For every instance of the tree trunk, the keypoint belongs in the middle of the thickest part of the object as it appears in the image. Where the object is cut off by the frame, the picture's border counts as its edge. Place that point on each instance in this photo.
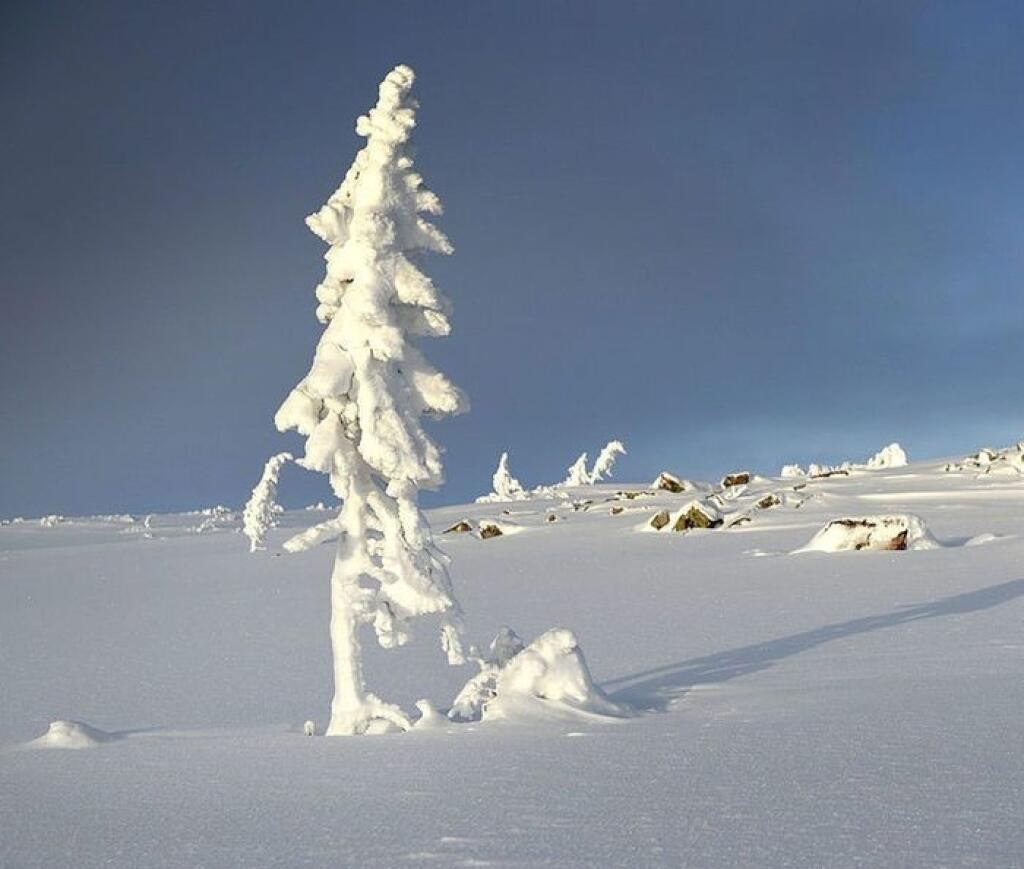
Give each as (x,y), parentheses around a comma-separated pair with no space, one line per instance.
(349,706)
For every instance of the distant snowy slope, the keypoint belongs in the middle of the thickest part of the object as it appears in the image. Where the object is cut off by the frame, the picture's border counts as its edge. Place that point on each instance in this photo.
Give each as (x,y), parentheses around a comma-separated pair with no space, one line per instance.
(800,710)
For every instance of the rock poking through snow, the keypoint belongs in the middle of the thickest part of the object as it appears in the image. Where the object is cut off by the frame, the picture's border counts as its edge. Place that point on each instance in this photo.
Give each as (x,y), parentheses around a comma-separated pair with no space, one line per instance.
(738,478)
(897,533)
(669,483)
(697,514)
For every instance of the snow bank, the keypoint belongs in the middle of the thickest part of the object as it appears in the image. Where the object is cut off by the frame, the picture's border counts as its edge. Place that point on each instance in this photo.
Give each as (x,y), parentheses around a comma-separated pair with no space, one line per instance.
(894,533)
(70,734)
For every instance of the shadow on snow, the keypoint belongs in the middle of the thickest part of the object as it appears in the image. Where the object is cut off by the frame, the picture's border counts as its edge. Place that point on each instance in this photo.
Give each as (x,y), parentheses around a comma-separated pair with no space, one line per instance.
(654,689)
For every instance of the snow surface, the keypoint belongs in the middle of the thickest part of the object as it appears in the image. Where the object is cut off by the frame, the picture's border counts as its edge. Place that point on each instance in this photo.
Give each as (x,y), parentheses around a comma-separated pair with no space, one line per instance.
(816,710)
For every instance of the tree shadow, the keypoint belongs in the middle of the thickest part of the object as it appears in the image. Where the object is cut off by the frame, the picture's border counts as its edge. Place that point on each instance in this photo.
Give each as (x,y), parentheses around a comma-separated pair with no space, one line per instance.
(655,689)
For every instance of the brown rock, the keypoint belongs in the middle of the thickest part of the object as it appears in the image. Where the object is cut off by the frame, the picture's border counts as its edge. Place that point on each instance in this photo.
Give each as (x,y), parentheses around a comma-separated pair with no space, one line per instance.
(660,520)
(669,483)
(459,528)
(489,530)
(740,478)
(697,516)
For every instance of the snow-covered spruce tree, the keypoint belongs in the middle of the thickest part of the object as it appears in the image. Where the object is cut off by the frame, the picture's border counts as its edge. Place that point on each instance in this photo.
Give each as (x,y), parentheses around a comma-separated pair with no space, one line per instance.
(361,402)
(504,483)
(578,474)
(259,513)
(606,461)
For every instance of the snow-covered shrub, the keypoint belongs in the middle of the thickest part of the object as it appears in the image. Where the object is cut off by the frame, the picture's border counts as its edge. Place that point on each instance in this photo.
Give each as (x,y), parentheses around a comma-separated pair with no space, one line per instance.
(895,532)
(791,471)
(469,703)
(549,676)
(261,511)
(892,456)
(360,404)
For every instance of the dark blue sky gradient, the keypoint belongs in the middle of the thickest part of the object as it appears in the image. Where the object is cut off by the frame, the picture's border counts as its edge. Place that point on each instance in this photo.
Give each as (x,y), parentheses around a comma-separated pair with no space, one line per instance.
(730,234)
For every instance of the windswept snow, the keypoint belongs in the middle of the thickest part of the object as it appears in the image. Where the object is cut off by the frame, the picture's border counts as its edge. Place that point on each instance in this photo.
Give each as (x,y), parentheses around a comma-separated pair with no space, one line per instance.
(833,710)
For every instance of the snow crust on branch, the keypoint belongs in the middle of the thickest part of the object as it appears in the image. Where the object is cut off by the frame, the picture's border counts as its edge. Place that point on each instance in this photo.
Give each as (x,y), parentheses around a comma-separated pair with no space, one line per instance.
(360,404)
(261,510)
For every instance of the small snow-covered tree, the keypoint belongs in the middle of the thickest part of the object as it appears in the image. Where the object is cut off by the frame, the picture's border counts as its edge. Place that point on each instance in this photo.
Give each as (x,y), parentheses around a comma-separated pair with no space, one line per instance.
(259,513)
(606,461)
(505,485)
(361,402)
(578,474)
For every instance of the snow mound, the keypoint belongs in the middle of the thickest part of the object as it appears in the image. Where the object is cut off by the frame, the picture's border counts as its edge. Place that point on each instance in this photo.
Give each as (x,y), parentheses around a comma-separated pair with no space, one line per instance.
(70,734)
(896,532)
(548,678)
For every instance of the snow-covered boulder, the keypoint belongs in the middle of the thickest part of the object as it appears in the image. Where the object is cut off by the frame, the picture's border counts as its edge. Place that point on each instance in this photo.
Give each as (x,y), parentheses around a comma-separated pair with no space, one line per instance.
(792,471)
(669,483)
(697,514)
(736,478)
(896,532)
(70,734)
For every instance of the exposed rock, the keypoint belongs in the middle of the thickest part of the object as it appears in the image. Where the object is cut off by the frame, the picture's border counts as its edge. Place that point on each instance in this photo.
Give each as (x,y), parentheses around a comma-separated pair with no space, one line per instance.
(770,500)
(459,528)
(831,472)
(551,517)
(738,478)
(489,530)
(660,520)
(617,510)
(742,520)
(629,496)
(669,483)
(697,514)
(896,533)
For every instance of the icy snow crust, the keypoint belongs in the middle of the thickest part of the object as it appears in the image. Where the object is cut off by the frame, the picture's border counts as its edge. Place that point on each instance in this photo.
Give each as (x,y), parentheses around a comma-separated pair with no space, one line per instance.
(852,709)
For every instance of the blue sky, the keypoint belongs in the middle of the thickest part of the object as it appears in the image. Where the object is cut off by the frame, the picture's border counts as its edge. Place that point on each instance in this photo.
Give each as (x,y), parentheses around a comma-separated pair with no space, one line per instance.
(730,234)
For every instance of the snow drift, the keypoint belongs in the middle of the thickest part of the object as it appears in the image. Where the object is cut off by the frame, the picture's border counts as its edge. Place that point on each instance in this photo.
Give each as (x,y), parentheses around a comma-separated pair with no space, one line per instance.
(70,734)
